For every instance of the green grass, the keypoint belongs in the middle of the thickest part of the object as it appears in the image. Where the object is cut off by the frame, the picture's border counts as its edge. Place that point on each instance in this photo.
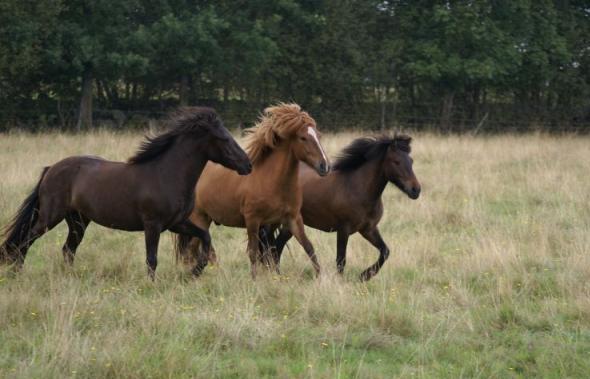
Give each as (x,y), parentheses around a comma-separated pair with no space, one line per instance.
(488,277)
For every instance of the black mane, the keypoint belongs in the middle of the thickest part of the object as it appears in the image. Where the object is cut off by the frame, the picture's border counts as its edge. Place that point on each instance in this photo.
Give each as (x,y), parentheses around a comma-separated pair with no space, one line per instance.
(365,149)
(183,121)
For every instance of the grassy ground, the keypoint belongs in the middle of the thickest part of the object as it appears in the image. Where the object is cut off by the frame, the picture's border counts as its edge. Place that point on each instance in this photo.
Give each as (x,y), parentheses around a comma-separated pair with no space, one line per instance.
(488,277)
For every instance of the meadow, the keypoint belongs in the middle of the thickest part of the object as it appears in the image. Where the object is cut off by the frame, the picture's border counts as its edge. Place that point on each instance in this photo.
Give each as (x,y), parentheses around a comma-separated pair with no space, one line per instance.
(488,277)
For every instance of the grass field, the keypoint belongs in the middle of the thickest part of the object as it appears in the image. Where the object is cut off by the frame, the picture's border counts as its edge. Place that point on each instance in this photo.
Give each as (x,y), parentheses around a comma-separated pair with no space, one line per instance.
(489,277)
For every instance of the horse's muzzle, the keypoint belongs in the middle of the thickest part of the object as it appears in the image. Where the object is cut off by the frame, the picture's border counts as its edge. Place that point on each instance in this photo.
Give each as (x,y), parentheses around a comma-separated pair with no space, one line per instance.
(323,169)
(413,193)
(246,169)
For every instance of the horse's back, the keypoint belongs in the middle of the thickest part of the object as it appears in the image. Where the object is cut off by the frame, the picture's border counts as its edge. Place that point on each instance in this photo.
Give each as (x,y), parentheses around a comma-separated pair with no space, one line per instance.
(94,187)
(65,172)
(330,202)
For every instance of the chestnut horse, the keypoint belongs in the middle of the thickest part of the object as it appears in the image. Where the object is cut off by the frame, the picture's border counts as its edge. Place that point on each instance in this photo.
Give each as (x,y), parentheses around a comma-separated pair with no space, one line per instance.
(284,136)
(152,192)
(348,200)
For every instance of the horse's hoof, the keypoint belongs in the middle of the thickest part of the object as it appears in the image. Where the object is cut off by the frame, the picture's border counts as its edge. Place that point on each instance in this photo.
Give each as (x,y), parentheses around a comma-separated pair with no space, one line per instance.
(197,271)
(365,276)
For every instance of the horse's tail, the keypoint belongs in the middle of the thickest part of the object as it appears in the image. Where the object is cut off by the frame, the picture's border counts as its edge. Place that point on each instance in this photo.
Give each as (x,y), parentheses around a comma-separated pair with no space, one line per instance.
(17,232)
(181,248)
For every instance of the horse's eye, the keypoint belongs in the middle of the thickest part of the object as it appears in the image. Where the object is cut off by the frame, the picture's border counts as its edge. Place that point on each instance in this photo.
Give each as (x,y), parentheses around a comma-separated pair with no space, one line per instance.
(397,163)
(303,138)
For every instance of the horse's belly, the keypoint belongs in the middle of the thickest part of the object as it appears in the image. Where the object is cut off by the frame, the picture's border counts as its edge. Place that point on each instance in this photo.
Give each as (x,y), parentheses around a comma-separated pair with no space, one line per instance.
(234,219)
(107,210)
(115,218)
(126,225)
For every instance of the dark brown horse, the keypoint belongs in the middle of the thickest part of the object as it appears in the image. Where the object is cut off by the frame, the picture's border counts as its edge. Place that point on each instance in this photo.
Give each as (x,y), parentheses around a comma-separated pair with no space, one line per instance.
(284,136)
(348,200)
(153,191)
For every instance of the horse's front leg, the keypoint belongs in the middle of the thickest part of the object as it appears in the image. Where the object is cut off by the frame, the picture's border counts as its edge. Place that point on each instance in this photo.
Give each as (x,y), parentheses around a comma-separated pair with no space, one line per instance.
(296,228)
(252,226)
(188,228)
(374,237)
(152,239)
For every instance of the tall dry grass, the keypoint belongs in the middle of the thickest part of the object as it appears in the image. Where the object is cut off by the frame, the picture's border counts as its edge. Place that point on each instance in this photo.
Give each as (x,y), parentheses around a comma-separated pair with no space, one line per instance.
(488,277)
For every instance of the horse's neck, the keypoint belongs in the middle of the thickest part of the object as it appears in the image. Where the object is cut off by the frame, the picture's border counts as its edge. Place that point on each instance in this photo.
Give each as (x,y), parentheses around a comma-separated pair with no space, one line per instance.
(281,167)
(182,164)
(371,180)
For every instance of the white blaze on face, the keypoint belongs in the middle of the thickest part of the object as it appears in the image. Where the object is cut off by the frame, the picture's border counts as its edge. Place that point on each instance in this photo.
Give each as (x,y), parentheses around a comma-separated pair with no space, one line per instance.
(311,132)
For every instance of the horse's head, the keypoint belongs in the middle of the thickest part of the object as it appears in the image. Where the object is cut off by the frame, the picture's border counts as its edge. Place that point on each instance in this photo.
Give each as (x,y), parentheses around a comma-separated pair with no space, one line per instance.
(222,148)
(298,128)
(306,146)
(202,129)
(397,166)
(288,126)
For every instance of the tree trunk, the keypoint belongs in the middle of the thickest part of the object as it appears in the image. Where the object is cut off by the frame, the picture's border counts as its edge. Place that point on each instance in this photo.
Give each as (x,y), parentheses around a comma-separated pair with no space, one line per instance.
(447,110)
(225,94)
(184,90)
(85,111)
(134,93)
(160,97)
(383,100)
(62,119)
(475,103)
(100,94)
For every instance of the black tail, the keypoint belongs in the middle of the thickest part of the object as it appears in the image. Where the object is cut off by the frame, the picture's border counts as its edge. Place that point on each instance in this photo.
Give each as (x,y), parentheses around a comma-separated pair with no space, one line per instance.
(17,232)
(181,251)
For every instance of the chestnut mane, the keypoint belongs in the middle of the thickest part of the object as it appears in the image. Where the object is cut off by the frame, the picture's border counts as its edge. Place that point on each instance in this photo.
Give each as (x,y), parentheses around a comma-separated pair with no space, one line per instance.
(276,123)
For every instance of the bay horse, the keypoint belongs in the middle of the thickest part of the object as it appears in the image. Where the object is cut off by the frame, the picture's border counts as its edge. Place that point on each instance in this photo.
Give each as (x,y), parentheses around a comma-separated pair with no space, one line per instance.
(348,200)
(284,136)
(152,192)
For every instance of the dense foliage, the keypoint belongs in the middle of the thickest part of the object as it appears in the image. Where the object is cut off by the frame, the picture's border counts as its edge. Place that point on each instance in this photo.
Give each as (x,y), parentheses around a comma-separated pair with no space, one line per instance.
(454,64)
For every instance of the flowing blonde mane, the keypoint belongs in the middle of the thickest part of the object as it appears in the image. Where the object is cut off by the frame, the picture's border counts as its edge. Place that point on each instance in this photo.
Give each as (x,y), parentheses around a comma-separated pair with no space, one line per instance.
(275,124)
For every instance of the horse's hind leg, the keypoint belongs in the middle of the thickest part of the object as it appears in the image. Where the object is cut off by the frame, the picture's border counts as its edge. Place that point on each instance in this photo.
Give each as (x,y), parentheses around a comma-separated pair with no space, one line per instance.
(267,246)
(271,246)
(187,228)
(341,242)
(152,239)
(49,217)
(77,224)
(374,237)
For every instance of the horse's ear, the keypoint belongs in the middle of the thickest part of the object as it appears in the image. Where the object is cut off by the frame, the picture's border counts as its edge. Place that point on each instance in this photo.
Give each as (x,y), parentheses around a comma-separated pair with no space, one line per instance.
(402,142)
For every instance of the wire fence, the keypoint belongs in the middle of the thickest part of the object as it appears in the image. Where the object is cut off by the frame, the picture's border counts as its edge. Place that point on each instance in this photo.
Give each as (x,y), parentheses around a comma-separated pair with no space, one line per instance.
(370,116)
